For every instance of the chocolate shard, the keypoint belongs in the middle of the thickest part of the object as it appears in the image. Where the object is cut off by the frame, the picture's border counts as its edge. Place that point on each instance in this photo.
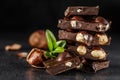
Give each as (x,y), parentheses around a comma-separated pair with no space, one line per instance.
(55,67)
(96,53)
(94,66)
(81,10)
(85,38)
(98,24)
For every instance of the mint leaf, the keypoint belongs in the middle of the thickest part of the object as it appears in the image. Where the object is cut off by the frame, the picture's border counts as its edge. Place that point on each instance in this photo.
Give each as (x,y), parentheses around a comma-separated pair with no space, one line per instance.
(49,41)
(61,43)
(52,36)
(58,50)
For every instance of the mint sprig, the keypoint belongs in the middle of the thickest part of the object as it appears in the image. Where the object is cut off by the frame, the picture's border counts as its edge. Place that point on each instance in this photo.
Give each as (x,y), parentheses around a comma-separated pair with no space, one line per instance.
(55,47)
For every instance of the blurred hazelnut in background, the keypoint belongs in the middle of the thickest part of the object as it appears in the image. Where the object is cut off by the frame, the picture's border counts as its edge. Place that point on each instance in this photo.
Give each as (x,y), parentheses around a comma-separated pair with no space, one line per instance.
(38,39)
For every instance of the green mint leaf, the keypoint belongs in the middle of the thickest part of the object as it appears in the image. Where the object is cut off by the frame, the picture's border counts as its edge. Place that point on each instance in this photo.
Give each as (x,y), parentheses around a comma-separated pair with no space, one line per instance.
(52,36)
(58,50)
(49,41)
(61,43)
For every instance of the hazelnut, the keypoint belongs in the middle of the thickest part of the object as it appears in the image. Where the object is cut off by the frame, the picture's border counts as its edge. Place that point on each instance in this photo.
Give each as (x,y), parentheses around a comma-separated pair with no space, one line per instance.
(80,37)
(73,23)
(68,64)
(14,46)
(100,54)
(35,57)
(81,50)
(79,10)
(63,56)
(38,39)
(22,54)
(102,38)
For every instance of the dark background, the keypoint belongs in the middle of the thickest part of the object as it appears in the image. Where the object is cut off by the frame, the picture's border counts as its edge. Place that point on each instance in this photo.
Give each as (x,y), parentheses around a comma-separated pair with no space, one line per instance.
(29,15)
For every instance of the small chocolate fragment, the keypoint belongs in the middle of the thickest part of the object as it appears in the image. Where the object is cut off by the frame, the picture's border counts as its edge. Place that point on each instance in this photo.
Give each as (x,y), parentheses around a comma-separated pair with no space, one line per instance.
(96,53)
(94,66)
(85,38)
(80,24)
(54,67)
(35,58)
(81,10)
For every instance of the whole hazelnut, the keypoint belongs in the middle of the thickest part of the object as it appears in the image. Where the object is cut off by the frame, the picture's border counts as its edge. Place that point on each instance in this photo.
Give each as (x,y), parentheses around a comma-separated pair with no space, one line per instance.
(63,56)
(102,38)
(100,54)
(35,57)
(81,50)
(38,39)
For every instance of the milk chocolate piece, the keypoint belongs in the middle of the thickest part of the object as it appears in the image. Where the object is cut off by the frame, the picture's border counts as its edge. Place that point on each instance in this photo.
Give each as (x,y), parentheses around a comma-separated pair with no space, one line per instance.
(85,38)
(55,67)
(96,53)
(94,66)
(97,25)
(81,10)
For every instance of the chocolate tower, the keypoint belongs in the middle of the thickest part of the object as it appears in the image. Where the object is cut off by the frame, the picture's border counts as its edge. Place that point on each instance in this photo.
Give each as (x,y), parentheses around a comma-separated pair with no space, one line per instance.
(85,34)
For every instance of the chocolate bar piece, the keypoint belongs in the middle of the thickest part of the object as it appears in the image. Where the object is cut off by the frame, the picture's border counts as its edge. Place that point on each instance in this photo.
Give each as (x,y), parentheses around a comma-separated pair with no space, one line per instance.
(81,10)
(54,66)
(96,53)
(99,24)
(94,66)
(85,38)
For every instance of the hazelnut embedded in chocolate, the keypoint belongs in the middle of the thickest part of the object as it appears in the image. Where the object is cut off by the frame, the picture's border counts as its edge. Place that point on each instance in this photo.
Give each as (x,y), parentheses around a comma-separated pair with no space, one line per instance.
(104,25)
(81,50)
(98,53)
(73,23)
(63,56)
(35,57)
(102,38)
(80,37)
(38,39)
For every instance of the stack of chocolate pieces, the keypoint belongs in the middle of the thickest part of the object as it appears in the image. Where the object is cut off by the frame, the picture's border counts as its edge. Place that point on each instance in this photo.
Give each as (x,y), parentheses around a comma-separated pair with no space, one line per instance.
(85,34)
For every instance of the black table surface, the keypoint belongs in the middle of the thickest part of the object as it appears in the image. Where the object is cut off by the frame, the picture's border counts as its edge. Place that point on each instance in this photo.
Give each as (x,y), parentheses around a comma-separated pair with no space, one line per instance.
(14,68)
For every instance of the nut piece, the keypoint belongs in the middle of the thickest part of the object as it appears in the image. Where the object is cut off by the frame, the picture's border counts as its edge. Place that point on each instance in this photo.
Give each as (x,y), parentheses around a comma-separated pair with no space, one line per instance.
(22,54)
(68,64)
(79,10)
(81,50)
(80,37)
(38,39)
(73,23)
(14,46)
(100,54)
(103,39)
(35,57)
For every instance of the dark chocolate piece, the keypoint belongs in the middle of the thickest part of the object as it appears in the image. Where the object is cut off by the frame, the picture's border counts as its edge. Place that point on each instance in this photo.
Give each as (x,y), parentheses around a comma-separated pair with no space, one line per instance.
(97,25)
(96,53)
(94,66)
(85,38)
(81,10)
(54,67)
